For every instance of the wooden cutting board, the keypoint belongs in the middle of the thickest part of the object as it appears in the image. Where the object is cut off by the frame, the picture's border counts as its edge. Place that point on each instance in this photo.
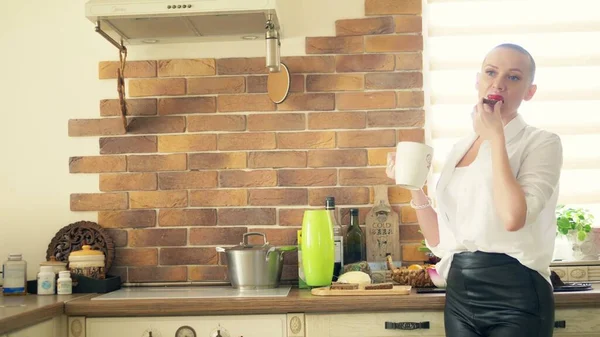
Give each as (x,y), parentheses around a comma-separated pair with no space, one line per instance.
(382,228)
(326,291)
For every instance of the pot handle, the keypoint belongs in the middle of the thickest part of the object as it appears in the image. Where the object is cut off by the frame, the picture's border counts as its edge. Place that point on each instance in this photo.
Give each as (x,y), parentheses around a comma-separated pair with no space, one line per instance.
(246,235)
(220,249)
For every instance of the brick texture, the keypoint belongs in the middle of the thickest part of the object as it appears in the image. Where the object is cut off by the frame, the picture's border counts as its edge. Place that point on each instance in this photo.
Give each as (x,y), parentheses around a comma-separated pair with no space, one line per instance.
(208,156)
(335,45)
(367,62)
(187,180)
(246,216)
(190,67)
(133,69)
(158,199)
(335,82)
(131,144)
(135,107)
(97,164)
(208,161)
(216,85)
(337,158)
(387,7)
(255,178)
(216,123)
(393,43)
(128,182)
(367,26)
(98,201)
(186,105)
(187,217)
(187,143)
(127,219)
(337,120)
(157,87)
(277,159)
(149,163)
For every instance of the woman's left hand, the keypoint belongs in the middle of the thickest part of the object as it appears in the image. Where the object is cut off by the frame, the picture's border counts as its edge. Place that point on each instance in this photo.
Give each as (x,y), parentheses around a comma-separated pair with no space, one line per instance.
(488,121)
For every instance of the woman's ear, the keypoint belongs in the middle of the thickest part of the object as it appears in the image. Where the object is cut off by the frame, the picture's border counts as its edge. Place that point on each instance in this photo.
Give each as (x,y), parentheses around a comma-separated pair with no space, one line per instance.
(530,92)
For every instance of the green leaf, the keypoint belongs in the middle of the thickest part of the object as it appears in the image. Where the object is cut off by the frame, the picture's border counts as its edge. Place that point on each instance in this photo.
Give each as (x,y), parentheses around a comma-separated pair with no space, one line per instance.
(581,235)
(587,228)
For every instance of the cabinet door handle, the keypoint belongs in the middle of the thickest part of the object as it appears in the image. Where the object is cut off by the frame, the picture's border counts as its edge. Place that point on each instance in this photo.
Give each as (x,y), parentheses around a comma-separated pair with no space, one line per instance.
(560,324)
(406,325)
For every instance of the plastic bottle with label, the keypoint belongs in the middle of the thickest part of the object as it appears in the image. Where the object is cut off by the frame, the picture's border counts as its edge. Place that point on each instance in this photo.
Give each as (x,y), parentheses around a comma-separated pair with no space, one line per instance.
(46,281)
(64,285)
(14,275)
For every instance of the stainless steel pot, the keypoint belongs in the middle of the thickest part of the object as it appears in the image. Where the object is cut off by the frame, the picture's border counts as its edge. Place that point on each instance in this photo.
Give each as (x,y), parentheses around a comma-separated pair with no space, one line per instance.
(255,266)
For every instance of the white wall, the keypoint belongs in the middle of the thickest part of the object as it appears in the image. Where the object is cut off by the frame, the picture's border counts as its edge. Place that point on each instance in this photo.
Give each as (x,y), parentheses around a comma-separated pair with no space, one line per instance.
(49,57)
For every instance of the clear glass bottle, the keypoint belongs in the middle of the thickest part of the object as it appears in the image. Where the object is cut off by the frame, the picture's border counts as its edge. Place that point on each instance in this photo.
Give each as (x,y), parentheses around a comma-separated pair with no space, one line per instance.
(14,274)
(355,249)
(338,238)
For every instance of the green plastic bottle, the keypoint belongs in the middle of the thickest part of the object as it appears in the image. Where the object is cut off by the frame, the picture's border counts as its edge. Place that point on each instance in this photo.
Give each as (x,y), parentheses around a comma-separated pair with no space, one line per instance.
(317,248)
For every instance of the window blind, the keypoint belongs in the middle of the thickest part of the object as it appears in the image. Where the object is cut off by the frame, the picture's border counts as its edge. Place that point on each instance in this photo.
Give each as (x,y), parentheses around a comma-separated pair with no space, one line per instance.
(563,38)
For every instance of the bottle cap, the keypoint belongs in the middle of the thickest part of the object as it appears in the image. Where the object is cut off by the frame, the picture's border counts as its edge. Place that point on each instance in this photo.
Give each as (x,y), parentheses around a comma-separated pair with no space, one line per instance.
(15,256)
(46,269)
(353,211)
(330,202)
(64,273)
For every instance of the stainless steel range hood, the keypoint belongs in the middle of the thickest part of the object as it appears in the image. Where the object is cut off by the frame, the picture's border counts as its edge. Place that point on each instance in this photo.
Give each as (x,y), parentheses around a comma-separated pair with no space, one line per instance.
(165,21)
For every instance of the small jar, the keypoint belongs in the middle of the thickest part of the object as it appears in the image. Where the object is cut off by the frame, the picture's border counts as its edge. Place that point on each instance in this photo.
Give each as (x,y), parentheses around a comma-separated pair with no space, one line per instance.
(64,286)
(87,262)
(46,281)
(14,274)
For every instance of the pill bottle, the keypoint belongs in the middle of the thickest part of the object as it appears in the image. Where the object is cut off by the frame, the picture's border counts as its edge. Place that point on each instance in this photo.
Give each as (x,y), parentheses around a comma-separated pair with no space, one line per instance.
(65,284)
(14,274)
(45,281)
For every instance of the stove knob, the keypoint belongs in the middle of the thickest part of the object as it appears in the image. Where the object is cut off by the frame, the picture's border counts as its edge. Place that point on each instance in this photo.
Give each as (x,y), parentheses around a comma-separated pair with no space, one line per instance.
(151,333)
(219,332)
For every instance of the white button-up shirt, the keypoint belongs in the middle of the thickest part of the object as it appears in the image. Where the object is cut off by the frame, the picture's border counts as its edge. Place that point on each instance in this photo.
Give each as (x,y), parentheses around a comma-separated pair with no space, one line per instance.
(467,217)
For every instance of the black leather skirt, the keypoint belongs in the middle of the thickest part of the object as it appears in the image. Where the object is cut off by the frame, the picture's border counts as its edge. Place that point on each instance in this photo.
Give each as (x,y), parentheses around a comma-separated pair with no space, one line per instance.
(490,294)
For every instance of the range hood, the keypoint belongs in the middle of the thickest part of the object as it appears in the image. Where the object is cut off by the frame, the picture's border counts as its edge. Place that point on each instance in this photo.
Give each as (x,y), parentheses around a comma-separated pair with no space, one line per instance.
(165,21)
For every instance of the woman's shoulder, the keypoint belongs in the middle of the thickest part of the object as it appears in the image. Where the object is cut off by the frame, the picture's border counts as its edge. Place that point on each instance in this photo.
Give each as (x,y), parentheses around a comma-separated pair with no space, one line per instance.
(533,137)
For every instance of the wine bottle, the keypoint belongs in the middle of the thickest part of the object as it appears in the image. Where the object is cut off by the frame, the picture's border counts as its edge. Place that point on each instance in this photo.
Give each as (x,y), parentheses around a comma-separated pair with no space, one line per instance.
(355,240)
(338,238)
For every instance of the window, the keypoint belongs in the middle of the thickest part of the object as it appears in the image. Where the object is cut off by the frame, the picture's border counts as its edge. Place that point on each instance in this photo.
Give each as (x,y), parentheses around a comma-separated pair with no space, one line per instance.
(563,38)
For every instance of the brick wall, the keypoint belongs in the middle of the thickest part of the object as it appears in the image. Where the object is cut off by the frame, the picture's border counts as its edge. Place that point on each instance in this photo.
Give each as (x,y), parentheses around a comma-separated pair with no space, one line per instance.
(209,157)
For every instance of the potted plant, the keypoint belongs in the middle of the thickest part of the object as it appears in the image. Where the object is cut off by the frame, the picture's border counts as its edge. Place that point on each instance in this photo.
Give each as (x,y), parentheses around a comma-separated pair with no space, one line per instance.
(576,225)
(574,221)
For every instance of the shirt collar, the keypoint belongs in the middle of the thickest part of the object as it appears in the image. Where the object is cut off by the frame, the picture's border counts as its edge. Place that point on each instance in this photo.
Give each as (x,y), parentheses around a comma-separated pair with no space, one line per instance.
(514,127)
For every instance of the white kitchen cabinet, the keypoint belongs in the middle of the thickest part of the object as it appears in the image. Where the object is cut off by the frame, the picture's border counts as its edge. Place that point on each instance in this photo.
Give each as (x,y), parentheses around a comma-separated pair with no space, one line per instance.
(205,326)
(376,324)
(55,327)
(581,322)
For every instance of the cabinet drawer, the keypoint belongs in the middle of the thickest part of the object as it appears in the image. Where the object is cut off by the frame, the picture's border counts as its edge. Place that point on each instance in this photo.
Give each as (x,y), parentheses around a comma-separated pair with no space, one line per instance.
(373,324)
(578,322)
(205,326)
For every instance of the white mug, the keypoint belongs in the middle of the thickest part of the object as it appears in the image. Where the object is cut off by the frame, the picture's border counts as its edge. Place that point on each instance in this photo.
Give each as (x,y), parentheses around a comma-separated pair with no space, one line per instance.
(412,164)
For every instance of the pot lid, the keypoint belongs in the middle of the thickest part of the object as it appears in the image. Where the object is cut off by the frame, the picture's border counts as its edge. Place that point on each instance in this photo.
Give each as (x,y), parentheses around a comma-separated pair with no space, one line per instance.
(86,250)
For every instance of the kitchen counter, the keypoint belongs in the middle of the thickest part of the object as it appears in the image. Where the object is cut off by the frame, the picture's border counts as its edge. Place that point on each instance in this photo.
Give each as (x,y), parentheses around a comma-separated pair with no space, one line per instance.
(17,312)
(297,301)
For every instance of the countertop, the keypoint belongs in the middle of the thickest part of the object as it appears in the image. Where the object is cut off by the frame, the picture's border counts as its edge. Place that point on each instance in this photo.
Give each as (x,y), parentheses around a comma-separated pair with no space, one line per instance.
(297,301)
(17,312)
